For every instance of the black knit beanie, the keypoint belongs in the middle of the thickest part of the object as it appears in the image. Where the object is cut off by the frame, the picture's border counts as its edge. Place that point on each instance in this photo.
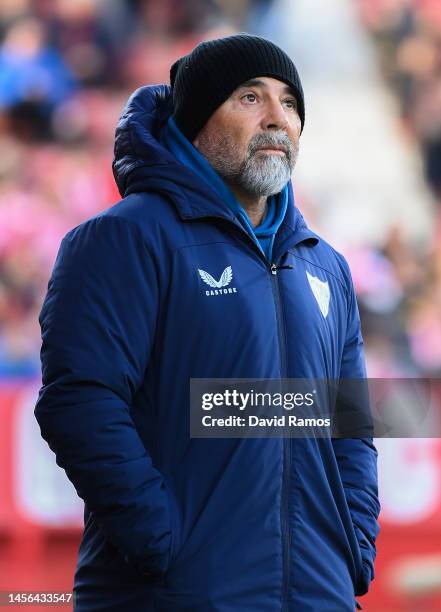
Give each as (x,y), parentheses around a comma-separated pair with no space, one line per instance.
(202,80)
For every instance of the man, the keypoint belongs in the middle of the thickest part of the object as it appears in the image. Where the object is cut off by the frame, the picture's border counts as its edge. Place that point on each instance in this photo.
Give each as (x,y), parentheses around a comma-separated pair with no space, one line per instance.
(135,310)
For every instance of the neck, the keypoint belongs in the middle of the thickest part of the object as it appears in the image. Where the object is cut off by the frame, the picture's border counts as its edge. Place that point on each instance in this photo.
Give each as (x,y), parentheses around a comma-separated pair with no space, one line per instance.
(254,206)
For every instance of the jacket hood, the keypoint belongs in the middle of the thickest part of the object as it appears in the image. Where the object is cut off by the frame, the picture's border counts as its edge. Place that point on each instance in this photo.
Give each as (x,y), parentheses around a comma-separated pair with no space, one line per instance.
(136,139)
(142,163)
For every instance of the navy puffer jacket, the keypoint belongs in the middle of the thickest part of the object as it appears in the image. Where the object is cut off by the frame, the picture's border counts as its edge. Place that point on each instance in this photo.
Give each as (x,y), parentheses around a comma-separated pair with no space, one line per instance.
(178,523)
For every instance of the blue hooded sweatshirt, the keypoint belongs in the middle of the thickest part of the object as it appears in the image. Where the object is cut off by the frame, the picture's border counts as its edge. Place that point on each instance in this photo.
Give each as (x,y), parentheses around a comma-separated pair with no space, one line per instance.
(174,522)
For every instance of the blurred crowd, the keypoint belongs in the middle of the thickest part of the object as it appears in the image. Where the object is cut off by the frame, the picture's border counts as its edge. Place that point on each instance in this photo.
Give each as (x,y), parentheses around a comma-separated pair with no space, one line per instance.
(66,69)
(408,37)
(399,286)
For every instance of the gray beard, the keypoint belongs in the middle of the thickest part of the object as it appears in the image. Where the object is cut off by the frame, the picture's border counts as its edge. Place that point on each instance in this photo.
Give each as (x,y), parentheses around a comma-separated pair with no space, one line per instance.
(260,174)
(264,175)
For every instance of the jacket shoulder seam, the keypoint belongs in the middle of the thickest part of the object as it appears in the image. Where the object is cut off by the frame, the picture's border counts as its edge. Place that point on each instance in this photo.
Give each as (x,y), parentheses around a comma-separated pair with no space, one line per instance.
(322,268)
(121,220)
(197,244)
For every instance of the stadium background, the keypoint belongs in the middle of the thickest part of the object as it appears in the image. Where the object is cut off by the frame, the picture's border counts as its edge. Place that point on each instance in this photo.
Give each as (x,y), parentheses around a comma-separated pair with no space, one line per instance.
(368,179)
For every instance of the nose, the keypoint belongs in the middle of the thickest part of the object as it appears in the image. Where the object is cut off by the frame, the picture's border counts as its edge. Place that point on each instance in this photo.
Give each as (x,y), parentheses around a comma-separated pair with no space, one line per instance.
(275,116)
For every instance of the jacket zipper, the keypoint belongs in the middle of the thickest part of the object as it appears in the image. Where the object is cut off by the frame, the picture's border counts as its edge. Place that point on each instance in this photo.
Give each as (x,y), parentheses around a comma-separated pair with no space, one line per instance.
(284,515)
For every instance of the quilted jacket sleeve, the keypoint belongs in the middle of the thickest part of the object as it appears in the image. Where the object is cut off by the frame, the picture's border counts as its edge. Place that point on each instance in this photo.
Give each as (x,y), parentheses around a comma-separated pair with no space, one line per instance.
(98,322)
(357,458)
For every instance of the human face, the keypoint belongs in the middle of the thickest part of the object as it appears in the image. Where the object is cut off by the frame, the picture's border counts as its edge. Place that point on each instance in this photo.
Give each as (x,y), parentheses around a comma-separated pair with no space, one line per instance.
(252,139)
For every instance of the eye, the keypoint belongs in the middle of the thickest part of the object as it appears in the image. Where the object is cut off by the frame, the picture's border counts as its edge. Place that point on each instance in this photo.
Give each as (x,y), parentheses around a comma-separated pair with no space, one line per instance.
(291,103)
(250,98)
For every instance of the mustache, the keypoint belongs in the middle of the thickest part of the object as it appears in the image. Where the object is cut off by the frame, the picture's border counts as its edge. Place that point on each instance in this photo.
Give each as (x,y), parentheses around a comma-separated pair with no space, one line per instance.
(272,139)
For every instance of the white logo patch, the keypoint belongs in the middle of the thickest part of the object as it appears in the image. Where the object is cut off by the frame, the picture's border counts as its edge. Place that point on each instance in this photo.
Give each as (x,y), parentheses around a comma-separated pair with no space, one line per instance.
(224,281)
(218,287)
(321,292)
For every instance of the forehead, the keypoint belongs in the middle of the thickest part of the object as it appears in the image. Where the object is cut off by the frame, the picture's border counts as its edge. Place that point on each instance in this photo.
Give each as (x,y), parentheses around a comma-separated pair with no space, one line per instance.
(267,84)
